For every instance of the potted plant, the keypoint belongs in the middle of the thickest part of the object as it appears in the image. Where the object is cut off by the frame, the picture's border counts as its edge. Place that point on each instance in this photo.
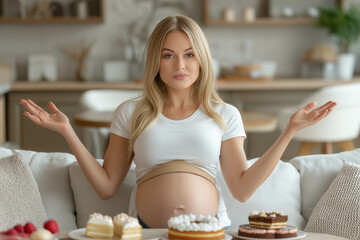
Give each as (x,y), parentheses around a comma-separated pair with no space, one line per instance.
(344,24)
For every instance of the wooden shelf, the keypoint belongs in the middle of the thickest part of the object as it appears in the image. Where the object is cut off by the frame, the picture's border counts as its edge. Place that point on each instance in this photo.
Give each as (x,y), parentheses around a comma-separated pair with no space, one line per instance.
(97,17)
(280,84)
(263,21)
(52,20)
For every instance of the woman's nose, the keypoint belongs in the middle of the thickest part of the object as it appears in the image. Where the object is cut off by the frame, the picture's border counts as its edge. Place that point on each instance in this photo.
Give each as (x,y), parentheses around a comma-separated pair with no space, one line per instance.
(180,63)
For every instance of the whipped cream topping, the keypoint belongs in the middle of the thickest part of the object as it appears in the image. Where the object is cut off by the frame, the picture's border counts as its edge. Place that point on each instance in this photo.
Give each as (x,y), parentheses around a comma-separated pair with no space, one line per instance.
(126,221)
(98,218)
(253,213)
(196,223)
(265,213)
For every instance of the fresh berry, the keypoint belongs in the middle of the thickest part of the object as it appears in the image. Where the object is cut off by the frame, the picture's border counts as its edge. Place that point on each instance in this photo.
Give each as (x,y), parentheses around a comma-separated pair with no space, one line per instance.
(11,232)
(24,235)
(52,226)
(19,228)
(29,227)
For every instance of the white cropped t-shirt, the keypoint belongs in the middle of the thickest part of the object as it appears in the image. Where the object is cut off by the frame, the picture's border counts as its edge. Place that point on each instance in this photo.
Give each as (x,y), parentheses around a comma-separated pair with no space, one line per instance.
(196,139)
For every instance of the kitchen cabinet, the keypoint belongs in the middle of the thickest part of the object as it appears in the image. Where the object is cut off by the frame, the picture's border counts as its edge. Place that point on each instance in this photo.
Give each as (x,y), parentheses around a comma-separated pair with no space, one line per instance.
(213,10)
(26,134)
(51,12)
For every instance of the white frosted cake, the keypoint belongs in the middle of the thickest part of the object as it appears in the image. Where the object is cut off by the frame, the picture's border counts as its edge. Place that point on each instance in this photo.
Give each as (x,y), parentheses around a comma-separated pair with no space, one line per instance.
(99,226)
(127,227)
(192,227)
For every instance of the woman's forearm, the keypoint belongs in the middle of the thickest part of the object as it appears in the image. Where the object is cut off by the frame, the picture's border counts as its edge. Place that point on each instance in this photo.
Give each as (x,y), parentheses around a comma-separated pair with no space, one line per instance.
(255,175)
(93,171)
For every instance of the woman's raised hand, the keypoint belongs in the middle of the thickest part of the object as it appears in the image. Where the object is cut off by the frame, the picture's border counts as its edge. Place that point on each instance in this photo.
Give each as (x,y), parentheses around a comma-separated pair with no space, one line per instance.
(56,120)
(304,117)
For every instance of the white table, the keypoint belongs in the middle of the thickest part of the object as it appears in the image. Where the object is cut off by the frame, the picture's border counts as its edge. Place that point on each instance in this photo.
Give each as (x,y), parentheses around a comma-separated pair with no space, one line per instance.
(161,234)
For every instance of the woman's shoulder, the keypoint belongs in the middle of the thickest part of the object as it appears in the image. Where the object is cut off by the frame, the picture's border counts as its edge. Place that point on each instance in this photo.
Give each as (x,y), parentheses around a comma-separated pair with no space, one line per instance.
(127,106)
(225,109)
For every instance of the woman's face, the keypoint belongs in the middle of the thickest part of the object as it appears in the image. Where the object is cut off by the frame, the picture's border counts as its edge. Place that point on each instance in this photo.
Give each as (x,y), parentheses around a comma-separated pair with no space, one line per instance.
(179,68)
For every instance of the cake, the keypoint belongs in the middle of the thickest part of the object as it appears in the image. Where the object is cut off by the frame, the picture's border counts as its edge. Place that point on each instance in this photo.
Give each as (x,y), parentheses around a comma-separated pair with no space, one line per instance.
(192,227)
(99,226)
(248,231)
(267,225)
(268,220)
(127,227)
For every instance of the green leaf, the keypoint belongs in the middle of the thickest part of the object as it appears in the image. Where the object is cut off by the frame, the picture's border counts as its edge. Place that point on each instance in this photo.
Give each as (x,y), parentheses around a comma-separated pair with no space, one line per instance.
(344,24)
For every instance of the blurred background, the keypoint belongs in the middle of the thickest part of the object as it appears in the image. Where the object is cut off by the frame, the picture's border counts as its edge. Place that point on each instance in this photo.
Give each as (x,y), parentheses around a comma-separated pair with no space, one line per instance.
(102,42)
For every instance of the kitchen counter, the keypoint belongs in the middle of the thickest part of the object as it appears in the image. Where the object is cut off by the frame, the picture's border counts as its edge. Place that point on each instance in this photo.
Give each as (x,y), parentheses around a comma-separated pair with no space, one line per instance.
(275,85)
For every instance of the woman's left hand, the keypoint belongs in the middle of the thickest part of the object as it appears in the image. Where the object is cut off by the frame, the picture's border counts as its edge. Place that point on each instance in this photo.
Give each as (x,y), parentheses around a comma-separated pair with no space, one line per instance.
(304,117)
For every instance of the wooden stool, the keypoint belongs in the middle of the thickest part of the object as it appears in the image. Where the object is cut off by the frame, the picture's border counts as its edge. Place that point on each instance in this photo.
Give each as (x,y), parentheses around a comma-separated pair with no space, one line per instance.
(258,121)
(326,147)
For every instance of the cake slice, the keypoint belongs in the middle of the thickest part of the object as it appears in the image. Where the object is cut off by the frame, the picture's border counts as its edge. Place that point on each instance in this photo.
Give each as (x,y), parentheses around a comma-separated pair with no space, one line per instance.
(268,220)
(247,231)
(99,226)
(127,227)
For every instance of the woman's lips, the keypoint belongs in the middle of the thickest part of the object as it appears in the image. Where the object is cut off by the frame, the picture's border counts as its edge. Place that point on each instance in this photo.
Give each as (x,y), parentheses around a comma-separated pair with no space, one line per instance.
(180,76)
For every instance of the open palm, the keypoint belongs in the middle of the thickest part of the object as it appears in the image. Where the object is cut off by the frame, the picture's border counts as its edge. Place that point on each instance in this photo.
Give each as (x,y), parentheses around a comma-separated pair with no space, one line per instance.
(303,118)
(56,120)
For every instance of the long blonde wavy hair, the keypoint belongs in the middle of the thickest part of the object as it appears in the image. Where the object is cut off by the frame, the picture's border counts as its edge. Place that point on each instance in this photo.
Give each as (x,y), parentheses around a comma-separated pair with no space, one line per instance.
(150,106)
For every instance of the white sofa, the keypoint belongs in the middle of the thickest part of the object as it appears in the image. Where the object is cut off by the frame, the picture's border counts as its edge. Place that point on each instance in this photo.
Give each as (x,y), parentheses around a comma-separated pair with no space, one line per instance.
(295,187)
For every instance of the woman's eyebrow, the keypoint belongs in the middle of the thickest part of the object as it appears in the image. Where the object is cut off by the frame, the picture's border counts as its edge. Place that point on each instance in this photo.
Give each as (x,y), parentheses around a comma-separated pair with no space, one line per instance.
(167,49)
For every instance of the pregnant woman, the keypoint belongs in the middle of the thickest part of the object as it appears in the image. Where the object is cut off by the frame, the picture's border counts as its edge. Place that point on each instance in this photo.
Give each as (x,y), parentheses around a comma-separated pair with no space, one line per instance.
(178,133)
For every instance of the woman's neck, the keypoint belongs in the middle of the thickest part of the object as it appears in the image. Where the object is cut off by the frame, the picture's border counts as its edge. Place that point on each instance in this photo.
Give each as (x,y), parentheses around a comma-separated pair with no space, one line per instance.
(180,106)
(180,100)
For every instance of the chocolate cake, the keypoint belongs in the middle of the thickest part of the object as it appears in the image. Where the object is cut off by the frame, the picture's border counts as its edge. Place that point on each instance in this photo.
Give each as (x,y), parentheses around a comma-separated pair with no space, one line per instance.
(268,220)
(248,231)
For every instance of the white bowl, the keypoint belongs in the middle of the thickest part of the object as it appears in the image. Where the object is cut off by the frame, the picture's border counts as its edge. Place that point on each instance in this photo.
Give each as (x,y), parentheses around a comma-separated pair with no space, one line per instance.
(268,69)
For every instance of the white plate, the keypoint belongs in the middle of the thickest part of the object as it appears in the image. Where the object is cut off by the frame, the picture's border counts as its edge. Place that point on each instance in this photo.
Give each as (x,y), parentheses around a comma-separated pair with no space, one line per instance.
(300,234)
(79,234)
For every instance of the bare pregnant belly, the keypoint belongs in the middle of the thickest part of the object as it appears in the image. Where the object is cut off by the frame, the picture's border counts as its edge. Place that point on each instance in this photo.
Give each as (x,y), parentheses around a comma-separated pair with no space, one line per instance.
(172,194)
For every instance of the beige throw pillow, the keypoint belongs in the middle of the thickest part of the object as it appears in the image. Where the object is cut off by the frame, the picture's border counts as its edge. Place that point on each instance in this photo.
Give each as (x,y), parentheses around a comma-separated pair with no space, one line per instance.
(19,194)
(338,211)
(87,201)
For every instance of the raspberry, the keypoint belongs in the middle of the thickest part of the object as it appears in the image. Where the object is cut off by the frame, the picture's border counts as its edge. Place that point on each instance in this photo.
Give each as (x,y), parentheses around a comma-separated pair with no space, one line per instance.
(19,228)
(24,235)
(52,226)
(11,232)
(29,227)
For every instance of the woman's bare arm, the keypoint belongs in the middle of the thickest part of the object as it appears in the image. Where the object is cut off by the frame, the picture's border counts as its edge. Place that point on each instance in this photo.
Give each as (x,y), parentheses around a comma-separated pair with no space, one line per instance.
(104,179)
(243,181)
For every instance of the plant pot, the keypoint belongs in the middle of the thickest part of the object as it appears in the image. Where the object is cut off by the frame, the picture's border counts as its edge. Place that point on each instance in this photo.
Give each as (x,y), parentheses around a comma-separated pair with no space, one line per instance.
(346,66)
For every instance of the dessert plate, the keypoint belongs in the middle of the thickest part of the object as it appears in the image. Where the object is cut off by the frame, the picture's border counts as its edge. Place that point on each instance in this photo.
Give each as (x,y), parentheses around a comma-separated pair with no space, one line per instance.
(300,234)
(79,234)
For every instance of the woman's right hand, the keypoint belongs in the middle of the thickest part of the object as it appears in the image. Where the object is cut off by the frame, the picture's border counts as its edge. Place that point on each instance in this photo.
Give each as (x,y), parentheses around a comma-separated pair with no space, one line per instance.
(56,120)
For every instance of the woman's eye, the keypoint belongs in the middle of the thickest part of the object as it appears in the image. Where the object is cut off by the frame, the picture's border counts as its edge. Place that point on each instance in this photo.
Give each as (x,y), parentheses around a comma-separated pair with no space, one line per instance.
(190,55)
(168,56)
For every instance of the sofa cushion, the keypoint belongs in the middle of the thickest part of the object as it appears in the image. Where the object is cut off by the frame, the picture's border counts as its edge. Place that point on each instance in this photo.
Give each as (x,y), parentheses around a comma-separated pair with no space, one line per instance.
(280,192)
(338,211)
(19,194)
(51,172)
(87,201)
(317,172)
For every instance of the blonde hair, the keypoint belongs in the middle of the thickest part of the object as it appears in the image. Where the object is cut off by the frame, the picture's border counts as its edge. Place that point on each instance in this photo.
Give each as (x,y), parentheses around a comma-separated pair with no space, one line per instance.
(149,108)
